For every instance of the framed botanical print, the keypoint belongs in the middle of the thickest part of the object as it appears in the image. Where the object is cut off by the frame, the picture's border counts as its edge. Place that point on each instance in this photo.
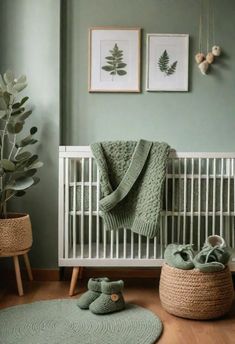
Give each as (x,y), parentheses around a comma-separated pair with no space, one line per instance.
(114,59)
(167,62)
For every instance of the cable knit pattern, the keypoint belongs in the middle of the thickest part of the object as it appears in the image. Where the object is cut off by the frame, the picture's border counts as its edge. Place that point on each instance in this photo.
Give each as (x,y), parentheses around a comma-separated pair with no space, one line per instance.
(61,321)
(132,176)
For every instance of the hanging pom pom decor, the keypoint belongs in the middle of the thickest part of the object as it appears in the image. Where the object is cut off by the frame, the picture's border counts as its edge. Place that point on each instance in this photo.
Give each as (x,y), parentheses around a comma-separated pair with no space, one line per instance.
(205,60)
(203,66)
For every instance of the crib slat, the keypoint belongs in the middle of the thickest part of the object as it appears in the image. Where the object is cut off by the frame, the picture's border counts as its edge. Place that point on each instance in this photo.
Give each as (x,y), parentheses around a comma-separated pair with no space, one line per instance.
(221,196)
(61,212)
(117,244)
(90,208)
(214,196)
(199,205)
(74,208)
(97,214)
(228,200)
(124,244)
(191,205)
(111,244)
(66,207)
(173,201)
(139,246)
(179,205)
(207,194)
(82,206)
(185,200)
(155,247)
(165,217)
(132,245)
(233,224)
(147,248)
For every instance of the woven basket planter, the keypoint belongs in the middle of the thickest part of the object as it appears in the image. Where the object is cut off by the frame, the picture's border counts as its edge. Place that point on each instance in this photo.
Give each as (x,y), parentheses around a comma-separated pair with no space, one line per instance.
(194,294)
(15,234)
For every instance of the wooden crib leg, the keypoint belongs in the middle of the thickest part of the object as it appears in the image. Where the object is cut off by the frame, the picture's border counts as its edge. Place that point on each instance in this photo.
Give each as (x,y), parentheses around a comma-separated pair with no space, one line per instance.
(74,279)
(28,267)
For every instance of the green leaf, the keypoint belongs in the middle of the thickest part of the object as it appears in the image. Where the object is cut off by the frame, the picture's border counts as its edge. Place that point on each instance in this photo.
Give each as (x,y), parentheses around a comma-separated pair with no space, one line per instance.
(107,68)
(111,58)
(32,160)
(3,105)
(24,100)
(21,184)
(18,111)
(16,105)
(172,68)
(163,61)
(36,165)
(23,156)
(19,86)
(121,65)
(8,76)
(33,130)
(24,174)
(121,72)
(2,114)
(7,165)
(25,115)
(14,127)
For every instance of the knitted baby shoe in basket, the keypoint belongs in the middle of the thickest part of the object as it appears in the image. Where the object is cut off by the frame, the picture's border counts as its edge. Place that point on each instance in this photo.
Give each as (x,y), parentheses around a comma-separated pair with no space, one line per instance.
(222,252)
(94,291)
(179,256)
(207,259)
(111,299)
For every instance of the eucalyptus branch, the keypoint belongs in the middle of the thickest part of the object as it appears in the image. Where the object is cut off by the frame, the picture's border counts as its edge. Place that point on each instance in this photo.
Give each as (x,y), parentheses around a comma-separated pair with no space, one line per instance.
(12,147)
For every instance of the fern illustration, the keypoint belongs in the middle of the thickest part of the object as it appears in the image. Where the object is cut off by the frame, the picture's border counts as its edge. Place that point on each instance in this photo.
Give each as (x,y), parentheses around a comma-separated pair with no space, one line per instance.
(163,64)
(115,62)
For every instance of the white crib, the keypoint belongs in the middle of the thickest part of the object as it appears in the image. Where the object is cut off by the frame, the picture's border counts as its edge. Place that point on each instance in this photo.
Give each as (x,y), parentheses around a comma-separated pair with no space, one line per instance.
(199,201)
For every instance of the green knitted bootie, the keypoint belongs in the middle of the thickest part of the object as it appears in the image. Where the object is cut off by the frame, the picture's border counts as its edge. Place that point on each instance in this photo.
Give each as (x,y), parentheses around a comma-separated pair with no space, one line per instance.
(221,251)
(111,299)
(179,256)
(208,259)
(94,291)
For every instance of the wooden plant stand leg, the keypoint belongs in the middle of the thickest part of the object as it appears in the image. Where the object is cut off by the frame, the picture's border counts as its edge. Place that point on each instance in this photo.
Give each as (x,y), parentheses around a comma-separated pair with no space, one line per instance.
(28,267)
(18,275)
(74,280)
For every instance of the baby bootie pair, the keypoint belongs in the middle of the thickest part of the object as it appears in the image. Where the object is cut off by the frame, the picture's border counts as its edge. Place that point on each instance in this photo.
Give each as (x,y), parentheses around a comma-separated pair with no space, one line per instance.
(214,255)
(103,296)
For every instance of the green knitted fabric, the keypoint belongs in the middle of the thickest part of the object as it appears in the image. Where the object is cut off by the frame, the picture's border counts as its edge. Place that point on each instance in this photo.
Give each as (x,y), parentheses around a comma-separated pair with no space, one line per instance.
(111,299)
(94,291)
(132,176)
(179,256)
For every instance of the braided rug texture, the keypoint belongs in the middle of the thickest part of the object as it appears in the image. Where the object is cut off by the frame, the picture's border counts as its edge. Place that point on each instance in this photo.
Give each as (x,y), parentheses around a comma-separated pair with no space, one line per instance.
(61,321)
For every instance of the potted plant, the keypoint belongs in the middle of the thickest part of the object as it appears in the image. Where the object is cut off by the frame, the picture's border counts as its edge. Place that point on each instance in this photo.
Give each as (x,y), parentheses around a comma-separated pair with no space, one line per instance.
(18,166)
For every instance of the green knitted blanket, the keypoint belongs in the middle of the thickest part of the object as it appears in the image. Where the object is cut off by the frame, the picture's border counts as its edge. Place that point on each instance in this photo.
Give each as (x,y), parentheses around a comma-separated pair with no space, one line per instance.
(132,176)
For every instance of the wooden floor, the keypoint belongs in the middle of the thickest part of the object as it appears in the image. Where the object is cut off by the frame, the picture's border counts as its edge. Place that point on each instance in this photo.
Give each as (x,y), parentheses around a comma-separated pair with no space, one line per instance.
(144,293)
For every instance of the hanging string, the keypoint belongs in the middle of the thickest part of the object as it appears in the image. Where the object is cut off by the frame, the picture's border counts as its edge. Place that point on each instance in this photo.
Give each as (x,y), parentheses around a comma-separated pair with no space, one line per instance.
(213,23)
(200,27)
(208,26)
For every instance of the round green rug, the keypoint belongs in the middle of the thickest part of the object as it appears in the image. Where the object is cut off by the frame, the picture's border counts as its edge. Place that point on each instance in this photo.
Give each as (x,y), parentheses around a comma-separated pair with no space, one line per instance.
(61,321)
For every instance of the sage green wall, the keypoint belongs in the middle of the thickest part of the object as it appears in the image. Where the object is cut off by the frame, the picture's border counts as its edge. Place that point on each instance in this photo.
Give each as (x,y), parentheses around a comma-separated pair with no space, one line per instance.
(201,120)
(29,44)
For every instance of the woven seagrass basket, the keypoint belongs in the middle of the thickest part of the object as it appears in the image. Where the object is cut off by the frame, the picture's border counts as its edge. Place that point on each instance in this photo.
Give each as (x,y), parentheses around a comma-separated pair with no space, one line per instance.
(15,234)
(194,294)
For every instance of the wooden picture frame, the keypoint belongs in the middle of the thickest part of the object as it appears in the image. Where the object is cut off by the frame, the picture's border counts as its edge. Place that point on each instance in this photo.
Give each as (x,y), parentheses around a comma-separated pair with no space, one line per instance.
(167,58)
(114,59)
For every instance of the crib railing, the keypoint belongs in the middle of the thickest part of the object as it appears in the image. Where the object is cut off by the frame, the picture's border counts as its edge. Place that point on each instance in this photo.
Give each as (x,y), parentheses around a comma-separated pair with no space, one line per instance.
(199,200)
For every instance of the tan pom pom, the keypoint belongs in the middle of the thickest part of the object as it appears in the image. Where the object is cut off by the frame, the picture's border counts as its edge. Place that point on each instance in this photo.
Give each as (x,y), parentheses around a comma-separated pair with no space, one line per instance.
(210,58)
(199,57)
(203,66)
(216,50)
